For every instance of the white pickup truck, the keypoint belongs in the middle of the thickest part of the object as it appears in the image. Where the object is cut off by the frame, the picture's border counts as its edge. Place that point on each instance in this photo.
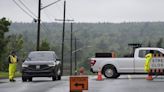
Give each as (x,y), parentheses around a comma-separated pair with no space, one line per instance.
(113,67)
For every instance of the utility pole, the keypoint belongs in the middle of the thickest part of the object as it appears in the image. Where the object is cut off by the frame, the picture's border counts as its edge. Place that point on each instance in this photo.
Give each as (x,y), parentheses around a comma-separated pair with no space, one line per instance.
(62,56)
(63,38)
(70,43)
(71,50)
(38,29)
(39,19)
(75,58)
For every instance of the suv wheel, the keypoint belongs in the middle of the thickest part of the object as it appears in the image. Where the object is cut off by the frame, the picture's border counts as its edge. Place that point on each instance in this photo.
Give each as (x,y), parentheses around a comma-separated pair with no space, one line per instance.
(24,79)
(53,78)
(59,77)
(30,79)
(59,74)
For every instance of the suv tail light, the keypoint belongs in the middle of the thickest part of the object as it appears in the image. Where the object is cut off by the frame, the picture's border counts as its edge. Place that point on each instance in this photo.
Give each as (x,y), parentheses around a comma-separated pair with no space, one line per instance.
(92,62)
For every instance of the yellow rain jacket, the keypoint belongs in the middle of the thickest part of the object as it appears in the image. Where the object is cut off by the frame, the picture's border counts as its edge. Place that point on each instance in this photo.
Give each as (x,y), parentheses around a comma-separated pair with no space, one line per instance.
(12,66)
(147,62)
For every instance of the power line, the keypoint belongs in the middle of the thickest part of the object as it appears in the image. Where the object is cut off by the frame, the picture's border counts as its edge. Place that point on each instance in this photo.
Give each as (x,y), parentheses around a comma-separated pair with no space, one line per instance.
(50,4)
(45,27)
(27,8)
(23,9)
(49,17)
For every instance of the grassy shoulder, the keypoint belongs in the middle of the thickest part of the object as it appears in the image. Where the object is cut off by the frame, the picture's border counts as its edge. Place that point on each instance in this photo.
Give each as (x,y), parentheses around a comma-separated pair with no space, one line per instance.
(6,74)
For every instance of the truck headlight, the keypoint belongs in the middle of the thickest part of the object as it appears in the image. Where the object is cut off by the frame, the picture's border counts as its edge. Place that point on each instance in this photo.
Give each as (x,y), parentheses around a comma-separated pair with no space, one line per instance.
(53,64)
(24,65)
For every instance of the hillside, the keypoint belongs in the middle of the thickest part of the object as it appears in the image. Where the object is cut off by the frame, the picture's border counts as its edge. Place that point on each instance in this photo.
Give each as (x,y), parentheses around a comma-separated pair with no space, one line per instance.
(100,37)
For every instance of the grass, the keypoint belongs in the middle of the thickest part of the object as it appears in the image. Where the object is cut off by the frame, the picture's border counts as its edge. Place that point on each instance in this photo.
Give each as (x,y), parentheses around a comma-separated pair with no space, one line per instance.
(5,74)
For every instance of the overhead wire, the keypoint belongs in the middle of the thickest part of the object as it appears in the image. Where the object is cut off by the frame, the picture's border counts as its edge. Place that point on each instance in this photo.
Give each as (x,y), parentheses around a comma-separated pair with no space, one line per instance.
(43,26)
(46,28)
(32,14)
(46,11)
(48,17)
(50,4)
(27,8)
(23,9)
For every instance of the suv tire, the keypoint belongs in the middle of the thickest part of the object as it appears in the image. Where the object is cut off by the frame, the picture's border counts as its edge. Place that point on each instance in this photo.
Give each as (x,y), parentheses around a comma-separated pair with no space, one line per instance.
(24,79)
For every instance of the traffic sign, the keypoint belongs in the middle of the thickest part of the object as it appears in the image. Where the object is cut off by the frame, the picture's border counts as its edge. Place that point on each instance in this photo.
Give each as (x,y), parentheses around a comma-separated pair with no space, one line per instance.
(157,63)
(78,83)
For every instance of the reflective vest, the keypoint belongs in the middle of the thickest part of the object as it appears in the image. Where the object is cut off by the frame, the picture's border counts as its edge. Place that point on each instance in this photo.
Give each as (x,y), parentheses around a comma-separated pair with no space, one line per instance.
(13,59)
(147,62)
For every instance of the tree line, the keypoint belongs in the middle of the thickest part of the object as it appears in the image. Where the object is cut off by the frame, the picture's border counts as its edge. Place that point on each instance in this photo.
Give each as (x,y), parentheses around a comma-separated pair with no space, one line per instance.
(91,37)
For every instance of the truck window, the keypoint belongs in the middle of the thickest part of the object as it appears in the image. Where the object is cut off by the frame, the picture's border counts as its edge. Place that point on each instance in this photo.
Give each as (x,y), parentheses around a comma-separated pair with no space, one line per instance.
(143,53)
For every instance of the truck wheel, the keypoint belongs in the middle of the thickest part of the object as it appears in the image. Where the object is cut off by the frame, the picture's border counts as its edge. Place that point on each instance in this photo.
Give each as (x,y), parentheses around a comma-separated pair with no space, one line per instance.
(117,75)
(24,79)
(109,71)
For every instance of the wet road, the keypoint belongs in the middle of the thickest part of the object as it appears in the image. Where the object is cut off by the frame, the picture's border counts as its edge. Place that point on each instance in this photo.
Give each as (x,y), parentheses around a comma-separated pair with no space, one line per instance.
(126,83)
(37,85)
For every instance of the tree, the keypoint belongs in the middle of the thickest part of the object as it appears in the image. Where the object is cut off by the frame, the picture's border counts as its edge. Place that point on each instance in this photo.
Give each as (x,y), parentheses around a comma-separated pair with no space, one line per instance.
(149,44)
(14,43)
(4,27)
(45,46)
(159,42)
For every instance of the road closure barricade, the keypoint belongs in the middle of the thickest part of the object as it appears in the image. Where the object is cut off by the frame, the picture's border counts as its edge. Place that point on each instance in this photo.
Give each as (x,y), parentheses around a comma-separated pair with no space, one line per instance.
(78,83)
(157,65)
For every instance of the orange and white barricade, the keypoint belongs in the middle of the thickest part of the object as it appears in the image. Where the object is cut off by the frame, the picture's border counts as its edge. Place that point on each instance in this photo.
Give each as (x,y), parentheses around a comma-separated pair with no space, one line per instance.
(157,65)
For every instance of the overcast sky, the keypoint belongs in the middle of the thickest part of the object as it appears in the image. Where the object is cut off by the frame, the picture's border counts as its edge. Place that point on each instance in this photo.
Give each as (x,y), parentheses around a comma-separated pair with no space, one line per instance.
(88,10)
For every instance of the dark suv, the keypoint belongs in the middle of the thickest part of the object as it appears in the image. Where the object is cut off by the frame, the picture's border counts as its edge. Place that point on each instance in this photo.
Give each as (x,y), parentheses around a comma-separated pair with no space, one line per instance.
(41,64)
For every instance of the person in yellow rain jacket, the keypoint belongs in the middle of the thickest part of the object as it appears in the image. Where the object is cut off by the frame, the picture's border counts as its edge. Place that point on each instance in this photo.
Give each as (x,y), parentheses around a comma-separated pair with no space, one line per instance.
(147,62)
(12,66)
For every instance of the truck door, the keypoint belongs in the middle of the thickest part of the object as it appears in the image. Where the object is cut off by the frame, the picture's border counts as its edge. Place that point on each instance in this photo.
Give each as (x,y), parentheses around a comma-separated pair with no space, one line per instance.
(140,60)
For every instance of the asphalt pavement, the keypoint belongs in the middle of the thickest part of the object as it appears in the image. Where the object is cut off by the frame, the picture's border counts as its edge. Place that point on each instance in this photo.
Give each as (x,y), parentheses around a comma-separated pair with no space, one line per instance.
(128,83)
(125,83)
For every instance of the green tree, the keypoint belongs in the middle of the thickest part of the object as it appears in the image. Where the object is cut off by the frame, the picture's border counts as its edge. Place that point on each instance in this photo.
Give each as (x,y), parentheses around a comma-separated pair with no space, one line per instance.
(15,43)
(4,27)
(45,46)
(149,44)
(159,42)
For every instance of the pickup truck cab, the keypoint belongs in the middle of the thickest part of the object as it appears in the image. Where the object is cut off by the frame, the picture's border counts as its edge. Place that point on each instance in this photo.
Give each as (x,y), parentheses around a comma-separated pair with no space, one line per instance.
(113,67)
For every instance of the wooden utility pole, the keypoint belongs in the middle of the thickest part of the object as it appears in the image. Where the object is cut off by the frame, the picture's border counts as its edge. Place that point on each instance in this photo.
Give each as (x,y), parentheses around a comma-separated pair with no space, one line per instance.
(75,58)
(71,50)
(38,29)
(63,35)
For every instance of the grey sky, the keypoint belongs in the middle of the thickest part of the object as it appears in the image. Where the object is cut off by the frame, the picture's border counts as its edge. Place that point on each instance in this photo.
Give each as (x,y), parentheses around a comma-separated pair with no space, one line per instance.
(89,10)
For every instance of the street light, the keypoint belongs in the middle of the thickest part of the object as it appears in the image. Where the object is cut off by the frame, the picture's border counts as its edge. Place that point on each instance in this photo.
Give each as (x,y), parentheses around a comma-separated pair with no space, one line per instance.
(79,49)
(74,52)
